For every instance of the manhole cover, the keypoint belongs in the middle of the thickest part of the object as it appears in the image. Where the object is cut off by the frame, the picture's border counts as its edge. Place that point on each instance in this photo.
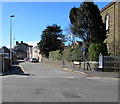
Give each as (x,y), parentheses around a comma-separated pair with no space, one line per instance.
(71,95)
(38,91)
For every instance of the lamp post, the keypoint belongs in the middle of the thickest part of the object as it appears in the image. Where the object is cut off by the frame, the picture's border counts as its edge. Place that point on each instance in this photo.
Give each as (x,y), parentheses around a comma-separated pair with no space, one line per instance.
(11,37)
(13,42)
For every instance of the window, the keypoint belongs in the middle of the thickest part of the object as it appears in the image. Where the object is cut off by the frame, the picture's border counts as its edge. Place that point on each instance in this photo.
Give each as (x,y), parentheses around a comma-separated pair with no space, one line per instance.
(107,18)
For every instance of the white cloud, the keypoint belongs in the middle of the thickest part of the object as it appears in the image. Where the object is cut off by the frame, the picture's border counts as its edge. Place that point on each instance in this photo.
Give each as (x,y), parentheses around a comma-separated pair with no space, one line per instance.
(32,43)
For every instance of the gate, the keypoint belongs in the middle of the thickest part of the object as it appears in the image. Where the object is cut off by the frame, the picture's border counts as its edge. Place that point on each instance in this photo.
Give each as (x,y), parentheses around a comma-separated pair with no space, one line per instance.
(111,63)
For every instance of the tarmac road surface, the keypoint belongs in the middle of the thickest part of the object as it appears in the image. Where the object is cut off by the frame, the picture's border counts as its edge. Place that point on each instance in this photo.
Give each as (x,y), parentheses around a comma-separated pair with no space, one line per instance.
(41,83)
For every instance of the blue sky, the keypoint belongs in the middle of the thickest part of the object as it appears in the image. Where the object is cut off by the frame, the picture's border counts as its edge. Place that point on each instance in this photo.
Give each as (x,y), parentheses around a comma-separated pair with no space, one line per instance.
(31,18)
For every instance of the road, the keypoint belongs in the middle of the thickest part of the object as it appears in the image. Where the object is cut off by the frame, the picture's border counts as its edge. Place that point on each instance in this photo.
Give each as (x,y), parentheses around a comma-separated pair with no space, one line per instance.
(44,83)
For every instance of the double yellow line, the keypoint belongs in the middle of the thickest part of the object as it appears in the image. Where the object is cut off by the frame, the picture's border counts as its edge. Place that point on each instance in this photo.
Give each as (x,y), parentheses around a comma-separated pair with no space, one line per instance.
(21,67)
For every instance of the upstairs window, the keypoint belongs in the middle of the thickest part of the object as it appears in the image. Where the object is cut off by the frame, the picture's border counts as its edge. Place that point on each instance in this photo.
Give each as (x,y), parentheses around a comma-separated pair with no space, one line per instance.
(107,18)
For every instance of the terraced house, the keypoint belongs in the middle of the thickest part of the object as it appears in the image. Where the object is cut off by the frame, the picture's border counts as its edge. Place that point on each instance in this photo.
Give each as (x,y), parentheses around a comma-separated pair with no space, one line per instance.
(111,17)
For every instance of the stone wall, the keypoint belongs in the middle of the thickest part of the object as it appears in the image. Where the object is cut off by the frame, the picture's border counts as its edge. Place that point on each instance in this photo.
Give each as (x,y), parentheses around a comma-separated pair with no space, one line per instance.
(113,38)
(6,64)
(60,63)
(0,63)
(89,65)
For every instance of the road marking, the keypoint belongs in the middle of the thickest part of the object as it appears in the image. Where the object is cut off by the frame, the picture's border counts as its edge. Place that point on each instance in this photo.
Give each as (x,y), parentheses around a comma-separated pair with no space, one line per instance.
(92,77)
(75,72)
(21,67)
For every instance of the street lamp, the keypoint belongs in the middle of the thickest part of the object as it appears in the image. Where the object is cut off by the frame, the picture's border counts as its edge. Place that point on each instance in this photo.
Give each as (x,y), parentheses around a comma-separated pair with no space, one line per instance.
(13,42)
(11,37)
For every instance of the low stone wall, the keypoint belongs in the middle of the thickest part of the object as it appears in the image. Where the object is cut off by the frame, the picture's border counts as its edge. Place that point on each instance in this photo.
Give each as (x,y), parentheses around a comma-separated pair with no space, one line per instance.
(89,65)
(4,66)
(60,63)
(0,63)
(52,62)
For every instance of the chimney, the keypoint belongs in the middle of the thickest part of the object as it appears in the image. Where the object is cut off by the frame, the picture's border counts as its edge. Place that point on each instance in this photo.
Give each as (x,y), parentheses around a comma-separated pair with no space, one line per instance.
(17,42)
(21,42)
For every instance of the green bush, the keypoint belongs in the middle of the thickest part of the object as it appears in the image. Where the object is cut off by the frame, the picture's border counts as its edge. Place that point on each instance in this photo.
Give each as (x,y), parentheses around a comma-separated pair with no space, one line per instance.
(56,54)
(67,54)
(70,54)
(95,49)
(77,54)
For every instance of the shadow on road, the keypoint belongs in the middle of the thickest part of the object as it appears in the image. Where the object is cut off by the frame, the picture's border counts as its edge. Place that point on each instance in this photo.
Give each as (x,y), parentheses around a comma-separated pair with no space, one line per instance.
(15,70)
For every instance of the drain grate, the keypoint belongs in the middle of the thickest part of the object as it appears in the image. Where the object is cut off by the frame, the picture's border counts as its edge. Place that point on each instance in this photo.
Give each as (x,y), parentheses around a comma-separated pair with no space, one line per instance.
(71,95)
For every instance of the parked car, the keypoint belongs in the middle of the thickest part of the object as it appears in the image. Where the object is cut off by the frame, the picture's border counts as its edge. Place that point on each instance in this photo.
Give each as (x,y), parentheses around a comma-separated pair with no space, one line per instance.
(28,59)
(25,59)
(33,60)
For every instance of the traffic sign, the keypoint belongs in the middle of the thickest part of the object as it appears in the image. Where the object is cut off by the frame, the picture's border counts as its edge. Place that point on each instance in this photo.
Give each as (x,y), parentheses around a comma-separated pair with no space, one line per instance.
(3,51)
(84,49)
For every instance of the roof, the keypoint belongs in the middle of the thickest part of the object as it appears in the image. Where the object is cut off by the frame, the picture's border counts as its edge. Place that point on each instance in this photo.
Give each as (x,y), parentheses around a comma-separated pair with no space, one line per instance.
(23,44)
(5,49)
(107,6)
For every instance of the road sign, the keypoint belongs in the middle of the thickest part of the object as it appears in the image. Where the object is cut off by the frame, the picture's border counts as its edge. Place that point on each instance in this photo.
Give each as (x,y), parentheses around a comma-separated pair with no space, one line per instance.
(3,50)
(84,49)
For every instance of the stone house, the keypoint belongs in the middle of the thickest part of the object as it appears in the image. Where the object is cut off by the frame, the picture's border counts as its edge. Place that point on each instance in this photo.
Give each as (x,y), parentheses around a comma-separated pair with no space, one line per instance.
(22,50)
(36,53)
(111,17)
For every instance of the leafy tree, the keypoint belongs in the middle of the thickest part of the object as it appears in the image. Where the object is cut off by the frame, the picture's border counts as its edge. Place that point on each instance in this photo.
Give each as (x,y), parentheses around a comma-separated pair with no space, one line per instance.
(86,22)
(95,49)
(51,40)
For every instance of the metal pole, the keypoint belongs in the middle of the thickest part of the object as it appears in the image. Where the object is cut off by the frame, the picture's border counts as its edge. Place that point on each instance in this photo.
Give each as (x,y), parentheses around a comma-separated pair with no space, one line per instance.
(11,38)
(84,59)
(114,33)
(63,63)
(3,62)
(13,42)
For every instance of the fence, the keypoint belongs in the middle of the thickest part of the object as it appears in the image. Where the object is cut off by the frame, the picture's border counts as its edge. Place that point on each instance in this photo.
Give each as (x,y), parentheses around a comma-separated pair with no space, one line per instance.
(111,63)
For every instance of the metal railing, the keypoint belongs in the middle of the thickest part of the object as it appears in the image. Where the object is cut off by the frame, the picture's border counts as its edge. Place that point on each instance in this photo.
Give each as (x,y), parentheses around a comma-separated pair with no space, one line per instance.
(111,63)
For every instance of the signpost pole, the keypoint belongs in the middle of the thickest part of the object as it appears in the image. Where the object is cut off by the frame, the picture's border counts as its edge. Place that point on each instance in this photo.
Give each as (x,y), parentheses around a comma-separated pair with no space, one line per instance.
(84,51)
(3,59)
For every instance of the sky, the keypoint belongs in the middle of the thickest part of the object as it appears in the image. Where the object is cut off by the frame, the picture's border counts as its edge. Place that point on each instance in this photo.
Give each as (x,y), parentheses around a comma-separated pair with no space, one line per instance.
(31,18)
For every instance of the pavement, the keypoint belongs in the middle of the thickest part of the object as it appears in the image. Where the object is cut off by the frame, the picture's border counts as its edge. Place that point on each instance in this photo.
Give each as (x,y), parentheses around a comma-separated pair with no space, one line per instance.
(14,70)
(88,73)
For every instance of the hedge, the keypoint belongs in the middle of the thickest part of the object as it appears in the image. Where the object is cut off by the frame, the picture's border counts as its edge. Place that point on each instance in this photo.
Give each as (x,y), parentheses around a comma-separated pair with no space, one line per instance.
(55,54)
(70,54)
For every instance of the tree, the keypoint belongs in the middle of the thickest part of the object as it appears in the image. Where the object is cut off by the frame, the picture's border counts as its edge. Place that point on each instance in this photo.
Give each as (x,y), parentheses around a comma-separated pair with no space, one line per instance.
(51,40)
(86,22)
(69,37)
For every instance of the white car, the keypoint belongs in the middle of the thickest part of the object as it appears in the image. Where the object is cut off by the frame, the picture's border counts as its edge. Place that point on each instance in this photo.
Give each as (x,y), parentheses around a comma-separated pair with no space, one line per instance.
(33,60)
